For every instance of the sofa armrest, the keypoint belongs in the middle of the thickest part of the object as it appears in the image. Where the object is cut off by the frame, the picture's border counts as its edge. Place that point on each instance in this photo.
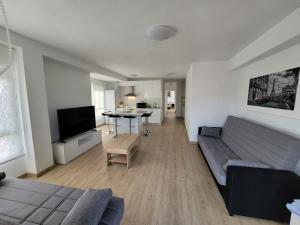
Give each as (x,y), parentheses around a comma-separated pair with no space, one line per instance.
(261,192)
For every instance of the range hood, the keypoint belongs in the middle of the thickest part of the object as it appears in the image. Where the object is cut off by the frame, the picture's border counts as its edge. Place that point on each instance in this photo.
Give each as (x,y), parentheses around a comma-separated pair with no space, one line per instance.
(130,94)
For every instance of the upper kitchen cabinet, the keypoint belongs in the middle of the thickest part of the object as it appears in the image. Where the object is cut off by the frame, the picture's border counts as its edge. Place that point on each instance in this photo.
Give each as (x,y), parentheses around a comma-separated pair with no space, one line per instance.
(126,83)
(144,89)
(139,89)
(152,89)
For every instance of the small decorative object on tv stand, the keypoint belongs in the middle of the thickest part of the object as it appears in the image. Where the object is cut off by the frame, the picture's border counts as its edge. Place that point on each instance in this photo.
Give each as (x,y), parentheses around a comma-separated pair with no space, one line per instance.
(75,146)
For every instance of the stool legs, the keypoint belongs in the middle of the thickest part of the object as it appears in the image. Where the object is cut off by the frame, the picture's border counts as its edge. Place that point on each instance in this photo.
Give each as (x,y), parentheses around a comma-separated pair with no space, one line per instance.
(116,128)
(147,130)
(130,125)
(108,125)
(109,131)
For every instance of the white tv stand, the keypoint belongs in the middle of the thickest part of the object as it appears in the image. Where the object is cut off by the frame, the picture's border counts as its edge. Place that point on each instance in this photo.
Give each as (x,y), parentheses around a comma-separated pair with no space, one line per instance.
(64,152)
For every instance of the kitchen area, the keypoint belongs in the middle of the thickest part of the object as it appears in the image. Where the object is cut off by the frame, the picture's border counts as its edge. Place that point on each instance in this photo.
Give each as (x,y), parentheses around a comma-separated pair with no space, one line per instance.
(143,95)
(136,98)
(132,105)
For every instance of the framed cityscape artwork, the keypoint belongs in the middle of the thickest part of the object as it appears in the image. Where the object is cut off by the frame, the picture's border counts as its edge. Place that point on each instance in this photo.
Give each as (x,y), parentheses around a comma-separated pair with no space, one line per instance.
(276,90)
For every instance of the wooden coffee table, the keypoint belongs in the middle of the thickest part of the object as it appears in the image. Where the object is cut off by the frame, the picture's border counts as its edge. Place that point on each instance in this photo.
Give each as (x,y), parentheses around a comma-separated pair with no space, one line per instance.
(122,149)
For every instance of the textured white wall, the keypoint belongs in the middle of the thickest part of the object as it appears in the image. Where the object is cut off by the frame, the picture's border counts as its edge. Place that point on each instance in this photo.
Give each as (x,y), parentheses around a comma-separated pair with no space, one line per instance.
(207,96)
(284,120)
(67,87)
(40,155)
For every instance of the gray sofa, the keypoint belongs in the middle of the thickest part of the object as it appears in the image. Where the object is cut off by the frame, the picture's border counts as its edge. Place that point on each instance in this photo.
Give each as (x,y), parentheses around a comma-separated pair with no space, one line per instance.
(32,203)
(267,162)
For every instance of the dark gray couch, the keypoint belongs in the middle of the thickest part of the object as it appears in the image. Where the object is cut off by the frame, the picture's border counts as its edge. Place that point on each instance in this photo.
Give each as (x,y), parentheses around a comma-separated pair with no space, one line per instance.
(32,203)
(253,191)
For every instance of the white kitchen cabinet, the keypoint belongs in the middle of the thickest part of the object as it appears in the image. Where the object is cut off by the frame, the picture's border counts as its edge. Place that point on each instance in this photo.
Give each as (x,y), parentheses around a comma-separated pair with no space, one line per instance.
(144,89)
(139,89)
(156,87)
(148,92)
(152,89)
(126,83)
(156,116)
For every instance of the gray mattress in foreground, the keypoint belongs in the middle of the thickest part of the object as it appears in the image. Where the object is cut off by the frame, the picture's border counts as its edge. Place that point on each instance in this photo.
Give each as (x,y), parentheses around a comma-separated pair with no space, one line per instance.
(31,203)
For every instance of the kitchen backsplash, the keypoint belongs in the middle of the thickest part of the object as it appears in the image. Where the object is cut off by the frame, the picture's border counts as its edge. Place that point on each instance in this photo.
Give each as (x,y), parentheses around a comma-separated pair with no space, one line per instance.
(131,103)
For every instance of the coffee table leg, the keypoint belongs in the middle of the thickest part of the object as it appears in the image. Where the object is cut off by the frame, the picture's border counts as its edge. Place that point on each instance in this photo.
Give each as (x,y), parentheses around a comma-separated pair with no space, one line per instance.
(108,157)
(128,159)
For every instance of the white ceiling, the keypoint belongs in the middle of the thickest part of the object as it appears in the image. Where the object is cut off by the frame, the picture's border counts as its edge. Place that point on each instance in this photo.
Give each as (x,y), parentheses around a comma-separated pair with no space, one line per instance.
(99,76)
(111,33)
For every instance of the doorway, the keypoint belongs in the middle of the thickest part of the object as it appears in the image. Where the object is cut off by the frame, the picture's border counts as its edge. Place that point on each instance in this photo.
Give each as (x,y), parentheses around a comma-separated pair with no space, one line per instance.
(170,98)
(171,101)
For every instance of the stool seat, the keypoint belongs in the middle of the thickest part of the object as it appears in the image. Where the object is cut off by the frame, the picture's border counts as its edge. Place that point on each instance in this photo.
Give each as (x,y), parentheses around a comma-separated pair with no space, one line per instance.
(146,115)
(114,115)
(129,116)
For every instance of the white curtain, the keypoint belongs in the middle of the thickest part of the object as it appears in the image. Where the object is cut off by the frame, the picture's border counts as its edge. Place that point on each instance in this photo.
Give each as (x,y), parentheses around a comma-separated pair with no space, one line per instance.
(11,130)
(98,100)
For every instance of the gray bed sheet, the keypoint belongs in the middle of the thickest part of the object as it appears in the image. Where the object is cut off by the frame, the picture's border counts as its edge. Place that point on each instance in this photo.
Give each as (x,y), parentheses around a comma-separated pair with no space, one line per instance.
(34,203)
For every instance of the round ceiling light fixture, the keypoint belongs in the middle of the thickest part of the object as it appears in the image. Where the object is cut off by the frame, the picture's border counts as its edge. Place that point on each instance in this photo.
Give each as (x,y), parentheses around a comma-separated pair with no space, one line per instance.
(160,32)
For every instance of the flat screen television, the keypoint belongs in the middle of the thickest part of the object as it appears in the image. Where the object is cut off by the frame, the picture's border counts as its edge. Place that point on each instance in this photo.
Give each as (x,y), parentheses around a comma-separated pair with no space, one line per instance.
(74,121)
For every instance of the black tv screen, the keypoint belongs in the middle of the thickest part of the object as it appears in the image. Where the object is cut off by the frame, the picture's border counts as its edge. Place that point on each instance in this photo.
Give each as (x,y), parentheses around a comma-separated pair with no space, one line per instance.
(75,121)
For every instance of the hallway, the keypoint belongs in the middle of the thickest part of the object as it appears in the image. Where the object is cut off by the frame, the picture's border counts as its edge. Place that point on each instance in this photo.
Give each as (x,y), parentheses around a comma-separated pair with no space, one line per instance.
(168,184)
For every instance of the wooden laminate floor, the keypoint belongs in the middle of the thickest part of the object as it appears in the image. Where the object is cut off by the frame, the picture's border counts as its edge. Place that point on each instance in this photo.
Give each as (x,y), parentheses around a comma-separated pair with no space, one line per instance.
(167,184)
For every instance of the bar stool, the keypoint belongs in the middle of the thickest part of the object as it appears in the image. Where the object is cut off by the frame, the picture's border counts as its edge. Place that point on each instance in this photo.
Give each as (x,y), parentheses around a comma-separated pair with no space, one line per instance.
(130,117)
(115,117)
(106,115)
(147,131)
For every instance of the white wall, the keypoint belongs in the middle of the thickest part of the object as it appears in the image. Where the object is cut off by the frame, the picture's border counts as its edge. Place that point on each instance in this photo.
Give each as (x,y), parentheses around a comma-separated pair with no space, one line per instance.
(67,87)
(14,168)
(216,89)
(41,152)
(178,104)
(284,120)
(213,92)
(188,103)
(207,96)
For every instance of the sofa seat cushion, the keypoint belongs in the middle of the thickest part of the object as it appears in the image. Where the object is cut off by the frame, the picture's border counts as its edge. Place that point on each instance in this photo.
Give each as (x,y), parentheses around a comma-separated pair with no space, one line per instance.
(216,154)
(33,203)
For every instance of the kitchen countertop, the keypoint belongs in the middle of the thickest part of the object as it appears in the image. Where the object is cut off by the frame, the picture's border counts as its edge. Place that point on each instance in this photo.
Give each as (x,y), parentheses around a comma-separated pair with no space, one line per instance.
(135,112)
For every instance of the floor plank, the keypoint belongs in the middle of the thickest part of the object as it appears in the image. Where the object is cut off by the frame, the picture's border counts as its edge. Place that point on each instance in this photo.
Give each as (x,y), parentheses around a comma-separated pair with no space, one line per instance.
(168,182)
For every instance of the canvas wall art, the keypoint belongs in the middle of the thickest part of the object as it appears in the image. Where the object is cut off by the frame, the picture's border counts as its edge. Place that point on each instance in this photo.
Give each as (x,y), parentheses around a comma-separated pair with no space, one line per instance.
(276,90)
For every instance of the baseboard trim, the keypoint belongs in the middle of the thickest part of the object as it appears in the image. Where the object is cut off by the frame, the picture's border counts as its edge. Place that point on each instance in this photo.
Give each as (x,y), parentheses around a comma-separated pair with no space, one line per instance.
(34,175)
(46,170)
(23,175)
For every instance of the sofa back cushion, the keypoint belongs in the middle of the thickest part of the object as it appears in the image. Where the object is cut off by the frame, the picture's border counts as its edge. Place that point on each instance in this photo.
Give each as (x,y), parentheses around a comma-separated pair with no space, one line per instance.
(253,142)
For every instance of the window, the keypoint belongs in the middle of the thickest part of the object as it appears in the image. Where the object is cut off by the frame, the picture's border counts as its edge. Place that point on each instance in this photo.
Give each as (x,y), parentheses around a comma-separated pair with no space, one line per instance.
(98,100)
(12,143)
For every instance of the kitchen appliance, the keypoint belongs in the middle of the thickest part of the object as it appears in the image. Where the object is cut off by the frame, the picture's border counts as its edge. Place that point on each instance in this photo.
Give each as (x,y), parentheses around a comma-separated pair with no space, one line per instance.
(141,105)
(131,94)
